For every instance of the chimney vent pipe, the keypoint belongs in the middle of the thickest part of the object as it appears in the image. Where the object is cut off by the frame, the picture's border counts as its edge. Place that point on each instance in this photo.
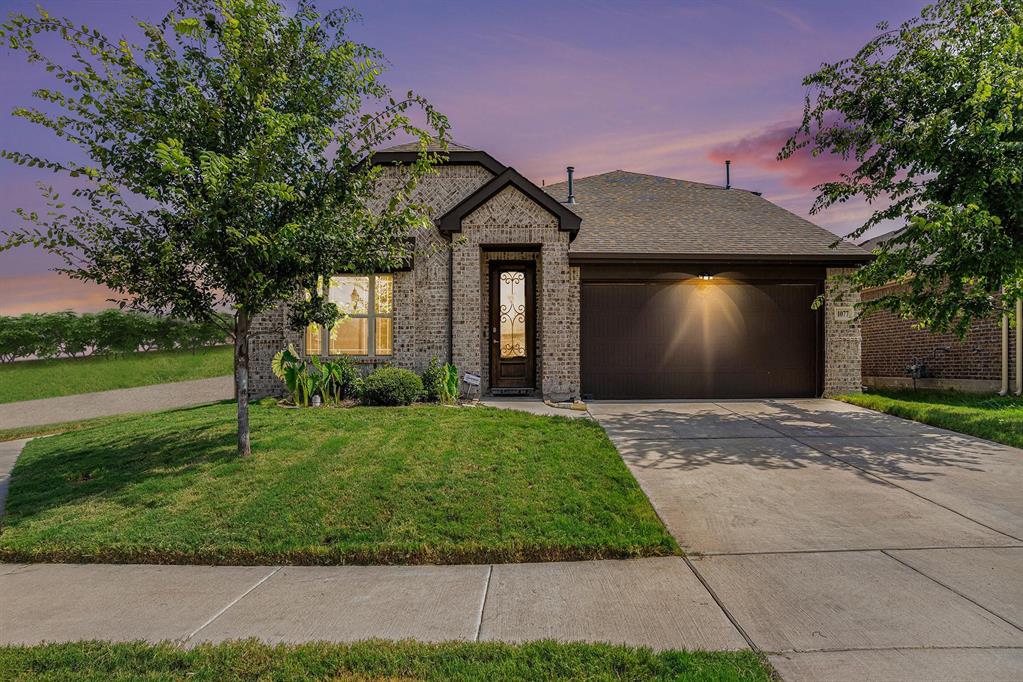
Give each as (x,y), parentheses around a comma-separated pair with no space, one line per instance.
(728,174)
(571,186)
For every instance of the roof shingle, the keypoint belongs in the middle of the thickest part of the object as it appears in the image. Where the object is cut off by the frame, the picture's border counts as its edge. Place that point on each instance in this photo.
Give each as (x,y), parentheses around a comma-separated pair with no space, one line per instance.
(432,146)
(632,213)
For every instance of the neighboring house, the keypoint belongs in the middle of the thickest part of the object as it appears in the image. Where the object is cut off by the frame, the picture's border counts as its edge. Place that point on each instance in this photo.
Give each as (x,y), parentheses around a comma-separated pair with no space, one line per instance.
(981,362)
(636,287)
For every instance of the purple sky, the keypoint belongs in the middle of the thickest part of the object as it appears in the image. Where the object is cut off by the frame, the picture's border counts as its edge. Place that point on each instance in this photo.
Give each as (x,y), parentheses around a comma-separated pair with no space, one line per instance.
(669,88)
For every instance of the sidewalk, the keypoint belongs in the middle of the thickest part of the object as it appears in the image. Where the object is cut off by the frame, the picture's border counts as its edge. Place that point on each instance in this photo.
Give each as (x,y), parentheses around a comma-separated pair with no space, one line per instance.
(119,401)
(655,602)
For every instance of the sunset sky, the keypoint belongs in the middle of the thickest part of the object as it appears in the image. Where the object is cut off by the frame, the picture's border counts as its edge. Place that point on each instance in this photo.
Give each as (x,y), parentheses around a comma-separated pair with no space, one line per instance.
(669,88)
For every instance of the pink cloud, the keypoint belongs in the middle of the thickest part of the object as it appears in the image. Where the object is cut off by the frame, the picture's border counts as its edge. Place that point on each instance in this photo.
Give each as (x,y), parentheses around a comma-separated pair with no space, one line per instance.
(800,172)
(51,292)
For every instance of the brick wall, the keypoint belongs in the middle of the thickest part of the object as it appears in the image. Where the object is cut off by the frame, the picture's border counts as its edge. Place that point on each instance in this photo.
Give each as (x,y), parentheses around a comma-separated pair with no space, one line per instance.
(420,295)
(890,345)
(512,218)
(841,335)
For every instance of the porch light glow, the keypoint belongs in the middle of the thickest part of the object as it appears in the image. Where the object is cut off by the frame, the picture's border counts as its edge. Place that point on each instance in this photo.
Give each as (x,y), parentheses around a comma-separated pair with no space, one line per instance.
(706,276)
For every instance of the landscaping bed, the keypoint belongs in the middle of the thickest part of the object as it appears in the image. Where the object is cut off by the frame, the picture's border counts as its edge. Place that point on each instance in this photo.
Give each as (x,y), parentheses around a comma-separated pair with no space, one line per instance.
(250,660)
(422,484)
(997,418)
(32,379)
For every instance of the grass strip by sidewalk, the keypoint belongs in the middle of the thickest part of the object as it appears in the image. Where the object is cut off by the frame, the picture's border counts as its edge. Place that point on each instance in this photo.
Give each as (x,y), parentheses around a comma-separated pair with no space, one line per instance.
(33,379)
(60,427)
(425,484)
(997,418)
(250,660)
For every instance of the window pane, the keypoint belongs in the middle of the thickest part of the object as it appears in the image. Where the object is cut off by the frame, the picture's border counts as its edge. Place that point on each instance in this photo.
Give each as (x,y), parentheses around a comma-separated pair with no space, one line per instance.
(513,314)
(350,337)
(384,292)
(350,293)
(313,346)
(385,336)
(319,289)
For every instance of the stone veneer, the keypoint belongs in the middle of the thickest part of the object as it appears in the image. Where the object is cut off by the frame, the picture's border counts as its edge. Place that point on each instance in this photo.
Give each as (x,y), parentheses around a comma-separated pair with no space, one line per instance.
(841,337)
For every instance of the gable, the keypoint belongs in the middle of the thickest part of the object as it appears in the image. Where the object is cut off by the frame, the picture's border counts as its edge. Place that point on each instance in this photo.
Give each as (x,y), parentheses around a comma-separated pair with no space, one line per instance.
(509,208)
(510,192)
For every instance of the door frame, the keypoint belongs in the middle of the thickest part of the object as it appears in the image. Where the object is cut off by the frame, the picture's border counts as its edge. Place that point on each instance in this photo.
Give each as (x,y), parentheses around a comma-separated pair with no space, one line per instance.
(493,335)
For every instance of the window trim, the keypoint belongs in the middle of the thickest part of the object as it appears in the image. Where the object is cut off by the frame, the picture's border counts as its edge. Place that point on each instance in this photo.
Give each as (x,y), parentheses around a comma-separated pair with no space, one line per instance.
(370,315)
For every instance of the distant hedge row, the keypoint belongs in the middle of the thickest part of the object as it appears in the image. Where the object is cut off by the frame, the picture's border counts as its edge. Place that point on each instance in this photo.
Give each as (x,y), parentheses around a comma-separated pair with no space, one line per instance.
(48,335)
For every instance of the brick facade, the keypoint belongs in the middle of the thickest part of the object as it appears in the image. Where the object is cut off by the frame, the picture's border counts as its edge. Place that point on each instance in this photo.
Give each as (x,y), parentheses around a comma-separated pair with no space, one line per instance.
(841,335)
(511,218)
(421,294)
(509,226)
(891,344)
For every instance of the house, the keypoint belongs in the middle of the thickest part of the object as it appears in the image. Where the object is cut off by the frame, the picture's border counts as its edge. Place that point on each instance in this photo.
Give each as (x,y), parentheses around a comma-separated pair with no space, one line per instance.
(981,362)
(614,286)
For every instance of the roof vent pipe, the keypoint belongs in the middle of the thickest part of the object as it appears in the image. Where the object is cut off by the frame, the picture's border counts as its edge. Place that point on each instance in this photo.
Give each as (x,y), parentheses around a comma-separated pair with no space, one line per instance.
(571,186)
(728,174)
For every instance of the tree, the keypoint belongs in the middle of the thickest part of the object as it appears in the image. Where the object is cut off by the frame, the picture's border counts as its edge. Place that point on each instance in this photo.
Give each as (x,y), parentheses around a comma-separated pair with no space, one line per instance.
(226,161)
(932,114)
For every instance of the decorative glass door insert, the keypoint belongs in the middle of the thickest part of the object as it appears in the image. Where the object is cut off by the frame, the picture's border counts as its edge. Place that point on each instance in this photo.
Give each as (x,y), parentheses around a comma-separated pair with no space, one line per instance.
(513,314)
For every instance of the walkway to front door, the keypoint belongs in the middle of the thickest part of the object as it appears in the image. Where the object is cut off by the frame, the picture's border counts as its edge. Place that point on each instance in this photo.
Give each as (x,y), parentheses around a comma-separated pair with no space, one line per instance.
(845,543)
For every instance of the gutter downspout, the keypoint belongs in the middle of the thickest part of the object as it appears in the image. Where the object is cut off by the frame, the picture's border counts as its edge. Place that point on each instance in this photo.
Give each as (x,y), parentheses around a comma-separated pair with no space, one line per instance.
(451,303)
(1019,347)
(1004,390)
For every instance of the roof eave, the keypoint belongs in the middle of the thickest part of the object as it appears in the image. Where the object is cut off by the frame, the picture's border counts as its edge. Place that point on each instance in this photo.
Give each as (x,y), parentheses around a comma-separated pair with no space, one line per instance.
(449,158)
(612,257)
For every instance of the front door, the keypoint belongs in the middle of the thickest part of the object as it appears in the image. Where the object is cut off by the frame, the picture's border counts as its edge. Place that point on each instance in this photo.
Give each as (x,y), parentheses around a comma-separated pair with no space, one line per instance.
(512,326)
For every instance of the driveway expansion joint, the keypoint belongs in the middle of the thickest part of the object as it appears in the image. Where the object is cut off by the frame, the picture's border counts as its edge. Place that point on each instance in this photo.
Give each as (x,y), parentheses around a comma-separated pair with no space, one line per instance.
(717,600)
(873,475)
(952,589)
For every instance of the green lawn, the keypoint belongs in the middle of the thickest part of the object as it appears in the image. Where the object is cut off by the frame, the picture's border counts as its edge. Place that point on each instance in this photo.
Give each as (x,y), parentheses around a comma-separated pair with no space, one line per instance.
(425,484)
(67,376)
(988,416)
(250,660)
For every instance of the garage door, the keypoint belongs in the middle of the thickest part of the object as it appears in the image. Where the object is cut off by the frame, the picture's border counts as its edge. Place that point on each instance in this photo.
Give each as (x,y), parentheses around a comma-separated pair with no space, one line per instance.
(699,339)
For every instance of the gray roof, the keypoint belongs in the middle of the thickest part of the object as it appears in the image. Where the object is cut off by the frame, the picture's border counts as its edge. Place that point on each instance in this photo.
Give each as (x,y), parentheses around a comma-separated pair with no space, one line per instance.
(632,213)
(433,146)
(874,242)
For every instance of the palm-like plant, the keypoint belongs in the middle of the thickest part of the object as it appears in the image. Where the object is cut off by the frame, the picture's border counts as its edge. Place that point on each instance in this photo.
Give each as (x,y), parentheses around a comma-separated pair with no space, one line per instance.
(288,366)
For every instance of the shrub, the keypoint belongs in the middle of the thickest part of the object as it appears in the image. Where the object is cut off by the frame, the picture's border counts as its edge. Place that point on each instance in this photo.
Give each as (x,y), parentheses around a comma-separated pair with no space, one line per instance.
(433,381)
(18,337)
(47,335)
(391,386)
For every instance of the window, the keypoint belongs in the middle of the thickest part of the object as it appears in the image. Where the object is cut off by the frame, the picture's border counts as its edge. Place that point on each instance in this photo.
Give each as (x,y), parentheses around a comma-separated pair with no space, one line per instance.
(367,328)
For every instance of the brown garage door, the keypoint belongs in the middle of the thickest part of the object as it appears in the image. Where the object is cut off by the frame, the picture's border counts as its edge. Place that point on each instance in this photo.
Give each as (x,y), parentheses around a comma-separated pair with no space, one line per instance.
(699,339)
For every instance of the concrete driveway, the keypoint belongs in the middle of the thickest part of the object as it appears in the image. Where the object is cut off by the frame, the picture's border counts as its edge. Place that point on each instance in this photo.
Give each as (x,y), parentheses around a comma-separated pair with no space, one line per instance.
(845,543)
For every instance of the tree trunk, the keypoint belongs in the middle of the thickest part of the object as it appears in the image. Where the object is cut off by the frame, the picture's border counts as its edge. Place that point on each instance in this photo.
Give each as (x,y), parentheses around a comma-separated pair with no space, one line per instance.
(241,379)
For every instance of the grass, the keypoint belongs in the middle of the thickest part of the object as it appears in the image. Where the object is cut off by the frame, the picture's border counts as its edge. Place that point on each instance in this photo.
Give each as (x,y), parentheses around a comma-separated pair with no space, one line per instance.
(33,379)
(50,429)
(425,484)
(249,660)
(997,418)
